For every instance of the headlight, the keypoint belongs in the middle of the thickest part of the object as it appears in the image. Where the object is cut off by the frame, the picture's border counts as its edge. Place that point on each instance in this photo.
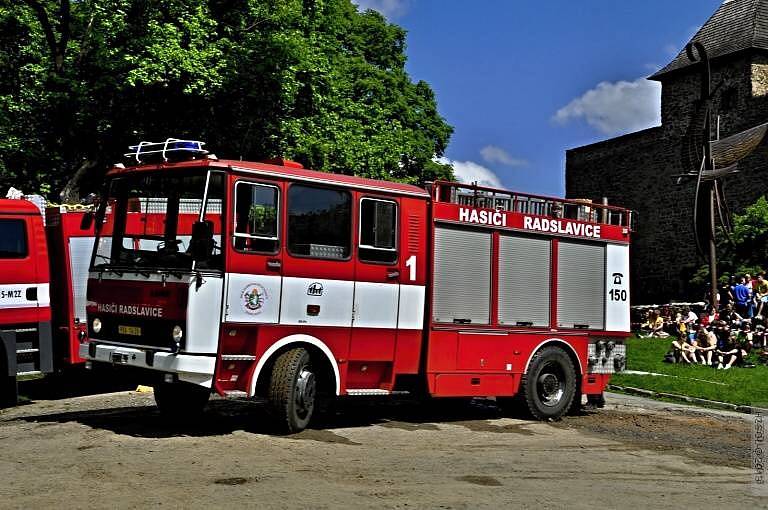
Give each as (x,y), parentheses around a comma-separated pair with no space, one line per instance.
(177,333)
(96,325)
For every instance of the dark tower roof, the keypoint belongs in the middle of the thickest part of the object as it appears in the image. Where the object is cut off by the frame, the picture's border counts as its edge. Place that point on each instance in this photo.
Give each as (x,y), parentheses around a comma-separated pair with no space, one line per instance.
(738,25)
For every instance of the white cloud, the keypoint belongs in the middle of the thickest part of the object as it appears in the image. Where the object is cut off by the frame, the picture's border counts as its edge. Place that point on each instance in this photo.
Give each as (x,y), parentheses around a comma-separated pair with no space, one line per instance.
(469,172)
(492,154)
(616,108)
(388,8)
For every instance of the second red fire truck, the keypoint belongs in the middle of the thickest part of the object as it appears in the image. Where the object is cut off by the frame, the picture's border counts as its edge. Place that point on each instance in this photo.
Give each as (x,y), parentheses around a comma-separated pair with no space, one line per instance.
(267,280)
(44,259)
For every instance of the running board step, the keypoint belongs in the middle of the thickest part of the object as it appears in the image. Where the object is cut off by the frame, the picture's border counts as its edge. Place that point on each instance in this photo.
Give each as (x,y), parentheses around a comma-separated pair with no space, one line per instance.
(373,391)
(235,394)
(238,357)
(26,351)
(31,372)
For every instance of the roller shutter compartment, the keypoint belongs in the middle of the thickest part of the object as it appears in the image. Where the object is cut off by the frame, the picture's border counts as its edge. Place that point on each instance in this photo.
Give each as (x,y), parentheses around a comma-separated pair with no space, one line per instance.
(524,281)
(580,285)
(462,281)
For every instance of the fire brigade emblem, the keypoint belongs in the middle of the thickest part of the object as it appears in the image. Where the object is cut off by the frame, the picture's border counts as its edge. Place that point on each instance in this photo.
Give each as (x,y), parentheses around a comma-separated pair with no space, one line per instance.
(253,298)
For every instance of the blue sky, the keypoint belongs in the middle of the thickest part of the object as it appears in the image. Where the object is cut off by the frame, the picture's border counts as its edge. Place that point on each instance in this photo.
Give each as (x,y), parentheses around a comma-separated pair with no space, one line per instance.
(521,81)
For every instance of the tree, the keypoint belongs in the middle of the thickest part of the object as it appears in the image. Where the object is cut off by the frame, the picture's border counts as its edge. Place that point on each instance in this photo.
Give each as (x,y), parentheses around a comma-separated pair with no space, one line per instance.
(746,250)
(311,80)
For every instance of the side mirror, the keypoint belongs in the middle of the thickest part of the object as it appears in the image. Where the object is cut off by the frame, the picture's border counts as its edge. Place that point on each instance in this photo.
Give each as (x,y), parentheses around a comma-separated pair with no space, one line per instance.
(201,244)
(87,222)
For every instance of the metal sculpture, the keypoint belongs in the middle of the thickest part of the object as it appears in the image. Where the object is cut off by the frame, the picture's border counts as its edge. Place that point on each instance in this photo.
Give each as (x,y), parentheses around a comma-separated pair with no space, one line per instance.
(720,158)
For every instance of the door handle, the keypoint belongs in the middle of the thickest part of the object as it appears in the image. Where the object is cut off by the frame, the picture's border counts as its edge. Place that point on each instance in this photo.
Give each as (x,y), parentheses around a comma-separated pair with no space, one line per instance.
(393,274)
(273,264)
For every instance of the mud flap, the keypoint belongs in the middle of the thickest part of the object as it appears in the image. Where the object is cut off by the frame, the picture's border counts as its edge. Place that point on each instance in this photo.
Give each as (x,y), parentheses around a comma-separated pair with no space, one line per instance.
(46,347)
(8,339)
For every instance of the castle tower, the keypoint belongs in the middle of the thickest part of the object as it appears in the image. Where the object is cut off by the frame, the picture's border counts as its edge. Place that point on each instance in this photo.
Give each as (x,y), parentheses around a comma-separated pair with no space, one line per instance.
(638,170)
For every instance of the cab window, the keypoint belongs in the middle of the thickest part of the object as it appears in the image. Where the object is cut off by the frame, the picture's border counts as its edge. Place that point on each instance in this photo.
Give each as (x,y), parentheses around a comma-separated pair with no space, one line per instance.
(378,231)
(13,239)
(256,217)
(319,222)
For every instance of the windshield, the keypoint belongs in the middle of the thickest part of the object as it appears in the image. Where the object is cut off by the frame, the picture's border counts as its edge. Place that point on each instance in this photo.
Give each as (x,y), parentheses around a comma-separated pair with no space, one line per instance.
(148,221)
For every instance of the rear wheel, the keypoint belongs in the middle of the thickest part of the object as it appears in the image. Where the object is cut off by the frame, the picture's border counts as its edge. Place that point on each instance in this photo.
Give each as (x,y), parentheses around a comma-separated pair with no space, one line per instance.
(8,387)
(549,386)
(8,391)
(181,400)
(292,390)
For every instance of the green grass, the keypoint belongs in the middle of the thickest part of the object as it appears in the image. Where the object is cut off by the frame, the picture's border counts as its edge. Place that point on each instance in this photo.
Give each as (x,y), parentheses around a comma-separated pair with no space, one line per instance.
(743,386)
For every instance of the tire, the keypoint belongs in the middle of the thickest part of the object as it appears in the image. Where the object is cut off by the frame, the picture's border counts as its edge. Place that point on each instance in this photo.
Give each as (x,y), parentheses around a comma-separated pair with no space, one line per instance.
(9,396)
(178,401)
(292,391)
(9,391)
(549,386)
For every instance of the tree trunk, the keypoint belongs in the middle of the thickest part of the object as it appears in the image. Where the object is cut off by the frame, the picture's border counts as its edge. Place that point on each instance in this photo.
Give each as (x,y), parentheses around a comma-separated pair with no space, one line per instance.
(71,192)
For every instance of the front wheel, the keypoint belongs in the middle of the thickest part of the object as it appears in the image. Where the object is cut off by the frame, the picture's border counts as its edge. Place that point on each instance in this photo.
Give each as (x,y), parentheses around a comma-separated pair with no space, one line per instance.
(292,390)
(181,400)
(549,385)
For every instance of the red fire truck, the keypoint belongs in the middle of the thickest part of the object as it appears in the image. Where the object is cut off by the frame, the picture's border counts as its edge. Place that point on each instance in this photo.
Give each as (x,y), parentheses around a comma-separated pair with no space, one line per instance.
(43,276)
(295,284)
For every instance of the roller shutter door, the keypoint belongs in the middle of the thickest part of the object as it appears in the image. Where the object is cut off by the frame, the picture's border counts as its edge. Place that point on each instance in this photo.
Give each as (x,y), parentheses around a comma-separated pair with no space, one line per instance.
(580,285)
(462,281)
(524,281)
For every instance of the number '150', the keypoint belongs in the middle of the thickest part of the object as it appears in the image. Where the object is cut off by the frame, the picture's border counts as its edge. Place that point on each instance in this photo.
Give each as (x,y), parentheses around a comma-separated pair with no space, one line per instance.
(618,294)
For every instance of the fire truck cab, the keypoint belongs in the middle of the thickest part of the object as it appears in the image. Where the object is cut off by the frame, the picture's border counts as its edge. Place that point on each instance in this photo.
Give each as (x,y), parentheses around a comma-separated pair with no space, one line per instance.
(267,280)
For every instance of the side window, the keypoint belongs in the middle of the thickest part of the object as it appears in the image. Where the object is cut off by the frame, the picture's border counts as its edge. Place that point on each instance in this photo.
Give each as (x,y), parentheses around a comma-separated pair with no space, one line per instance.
(13,239)
(378,231)
(256,217)
(319,222)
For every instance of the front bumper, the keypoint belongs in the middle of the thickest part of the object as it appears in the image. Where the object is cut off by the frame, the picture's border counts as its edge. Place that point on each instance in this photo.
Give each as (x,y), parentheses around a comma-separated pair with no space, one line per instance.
(188,368)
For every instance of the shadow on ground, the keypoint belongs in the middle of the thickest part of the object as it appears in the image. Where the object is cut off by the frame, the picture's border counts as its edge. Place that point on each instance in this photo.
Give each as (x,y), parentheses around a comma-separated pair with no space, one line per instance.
(223,417)
(77,382)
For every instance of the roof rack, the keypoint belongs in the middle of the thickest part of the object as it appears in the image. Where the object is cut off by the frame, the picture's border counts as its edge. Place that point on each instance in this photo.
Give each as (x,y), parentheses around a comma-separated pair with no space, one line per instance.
(171,149)
(491,198)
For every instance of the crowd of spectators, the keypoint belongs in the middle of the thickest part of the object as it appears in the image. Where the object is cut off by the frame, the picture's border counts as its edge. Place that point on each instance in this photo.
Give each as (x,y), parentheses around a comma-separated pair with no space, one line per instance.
(722,337)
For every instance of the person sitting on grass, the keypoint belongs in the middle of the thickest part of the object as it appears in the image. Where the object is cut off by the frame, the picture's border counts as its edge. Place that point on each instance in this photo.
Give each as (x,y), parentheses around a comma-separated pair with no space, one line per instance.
(732,353)
(684,350)
(646,328)
(705,349)
(656,324)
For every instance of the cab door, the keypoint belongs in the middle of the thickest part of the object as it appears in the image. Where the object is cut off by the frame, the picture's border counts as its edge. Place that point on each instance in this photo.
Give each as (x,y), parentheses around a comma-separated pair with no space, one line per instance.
(318,278)
(377,291)
(255,262)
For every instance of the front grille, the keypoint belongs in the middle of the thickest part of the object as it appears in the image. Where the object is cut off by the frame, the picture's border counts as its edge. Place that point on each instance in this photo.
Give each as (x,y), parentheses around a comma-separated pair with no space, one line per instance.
(155,333)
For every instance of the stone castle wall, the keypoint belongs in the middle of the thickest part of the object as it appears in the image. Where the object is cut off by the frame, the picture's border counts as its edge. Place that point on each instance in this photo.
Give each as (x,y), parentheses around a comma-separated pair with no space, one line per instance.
(638,171)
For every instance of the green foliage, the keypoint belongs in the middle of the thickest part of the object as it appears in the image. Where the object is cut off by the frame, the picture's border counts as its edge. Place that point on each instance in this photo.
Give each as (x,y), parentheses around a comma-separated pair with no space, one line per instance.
(263,219)
(747,249)
(311,80)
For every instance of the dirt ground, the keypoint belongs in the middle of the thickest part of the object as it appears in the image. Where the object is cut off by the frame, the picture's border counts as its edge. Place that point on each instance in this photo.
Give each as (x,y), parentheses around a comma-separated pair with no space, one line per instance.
(115,451)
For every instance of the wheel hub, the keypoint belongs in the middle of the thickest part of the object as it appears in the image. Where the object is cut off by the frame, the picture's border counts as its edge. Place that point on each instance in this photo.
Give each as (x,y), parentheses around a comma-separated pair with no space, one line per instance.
(550,388)
(306,387)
